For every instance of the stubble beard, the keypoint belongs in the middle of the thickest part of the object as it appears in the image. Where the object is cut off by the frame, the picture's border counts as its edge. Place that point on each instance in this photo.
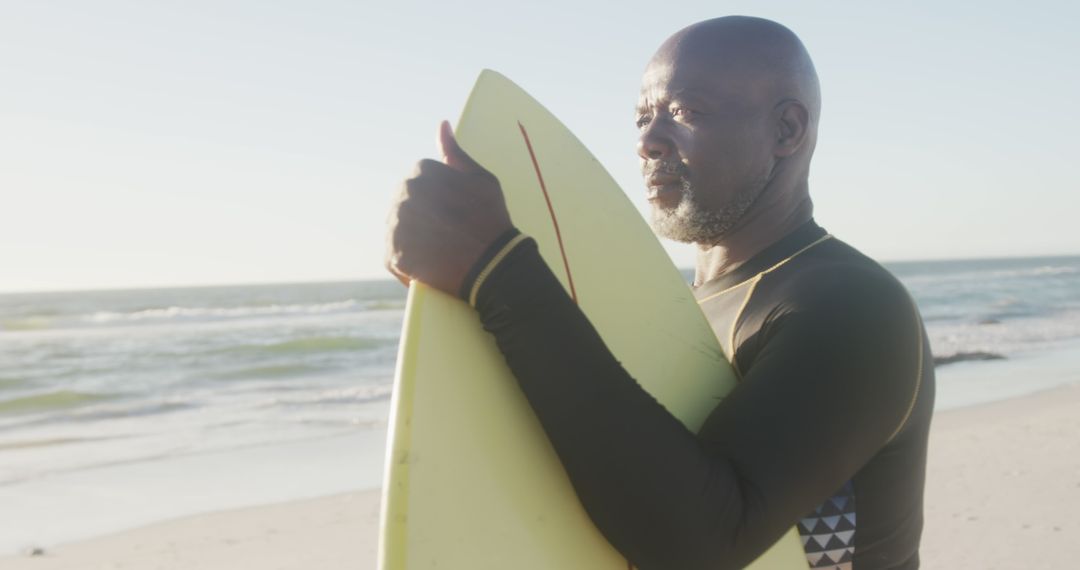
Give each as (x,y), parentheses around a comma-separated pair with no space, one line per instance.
(692,222)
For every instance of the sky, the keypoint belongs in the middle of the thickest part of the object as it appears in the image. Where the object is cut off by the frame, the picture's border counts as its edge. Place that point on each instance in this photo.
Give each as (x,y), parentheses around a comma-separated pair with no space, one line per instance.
(147,143)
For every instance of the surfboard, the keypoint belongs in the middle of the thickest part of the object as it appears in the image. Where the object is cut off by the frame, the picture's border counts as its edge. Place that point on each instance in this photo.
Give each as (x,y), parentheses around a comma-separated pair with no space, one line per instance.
(471,481)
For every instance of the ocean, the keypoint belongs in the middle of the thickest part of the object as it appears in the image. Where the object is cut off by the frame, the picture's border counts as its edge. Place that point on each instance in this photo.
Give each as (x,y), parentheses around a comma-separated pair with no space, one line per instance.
(144,403)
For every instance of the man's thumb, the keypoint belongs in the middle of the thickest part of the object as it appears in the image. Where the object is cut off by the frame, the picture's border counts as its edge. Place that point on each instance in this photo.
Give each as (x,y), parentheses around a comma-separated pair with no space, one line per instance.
(452,153)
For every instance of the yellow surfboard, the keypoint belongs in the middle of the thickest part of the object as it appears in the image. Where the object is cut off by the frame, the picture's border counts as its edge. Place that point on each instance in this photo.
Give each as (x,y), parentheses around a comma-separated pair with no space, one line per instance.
(471,480)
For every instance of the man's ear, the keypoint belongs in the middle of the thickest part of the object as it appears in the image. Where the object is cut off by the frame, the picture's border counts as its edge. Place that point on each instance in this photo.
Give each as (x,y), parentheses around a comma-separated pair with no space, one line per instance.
(792,125)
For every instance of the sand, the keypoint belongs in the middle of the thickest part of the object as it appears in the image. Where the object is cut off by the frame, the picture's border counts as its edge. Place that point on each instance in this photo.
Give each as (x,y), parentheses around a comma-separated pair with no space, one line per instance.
(1004,485)
(327,533)
(1003,491)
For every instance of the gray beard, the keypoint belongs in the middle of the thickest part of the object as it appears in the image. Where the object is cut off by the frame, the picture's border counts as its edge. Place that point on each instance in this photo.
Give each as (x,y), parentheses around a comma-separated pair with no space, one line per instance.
(691,222)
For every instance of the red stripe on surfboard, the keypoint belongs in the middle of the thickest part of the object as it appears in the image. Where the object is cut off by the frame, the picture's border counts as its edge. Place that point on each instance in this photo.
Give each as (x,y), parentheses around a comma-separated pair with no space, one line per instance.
(558,234)
(551,210)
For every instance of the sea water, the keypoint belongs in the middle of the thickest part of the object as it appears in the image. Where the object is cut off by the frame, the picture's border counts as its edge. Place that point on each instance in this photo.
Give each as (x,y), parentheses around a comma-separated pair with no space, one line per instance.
(104,377)
(122,407)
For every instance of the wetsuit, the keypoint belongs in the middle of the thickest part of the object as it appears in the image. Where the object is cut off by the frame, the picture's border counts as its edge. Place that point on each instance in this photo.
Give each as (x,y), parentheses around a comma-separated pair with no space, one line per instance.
(826,429)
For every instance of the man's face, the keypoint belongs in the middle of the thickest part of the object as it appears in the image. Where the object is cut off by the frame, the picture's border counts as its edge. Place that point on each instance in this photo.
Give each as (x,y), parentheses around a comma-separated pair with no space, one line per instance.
(705,146)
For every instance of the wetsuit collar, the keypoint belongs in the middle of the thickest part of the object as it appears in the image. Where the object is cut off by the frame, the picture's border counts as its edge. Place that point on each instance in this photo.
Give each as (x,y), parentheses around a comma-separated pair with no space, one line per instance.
(787,246)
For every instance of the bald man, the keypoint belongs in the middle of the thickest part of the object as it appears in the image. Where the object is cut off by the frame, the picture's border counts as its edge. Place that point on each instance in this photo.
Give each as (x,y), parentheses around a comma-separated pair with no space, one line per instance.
(827,428)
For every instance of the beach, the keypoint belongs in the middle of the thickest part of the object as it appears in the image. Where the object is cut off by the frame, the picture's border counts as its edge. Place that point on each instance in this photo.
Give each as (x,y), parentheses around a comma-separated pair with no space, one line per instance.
(338,531)
(245,426)
(1003,483)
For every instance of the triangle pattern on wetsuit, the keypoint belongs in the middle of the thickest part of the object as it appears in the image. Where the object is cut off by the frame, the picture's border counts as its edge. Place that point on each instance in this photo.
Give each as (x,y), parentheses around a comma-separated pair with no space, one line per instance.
(828,533)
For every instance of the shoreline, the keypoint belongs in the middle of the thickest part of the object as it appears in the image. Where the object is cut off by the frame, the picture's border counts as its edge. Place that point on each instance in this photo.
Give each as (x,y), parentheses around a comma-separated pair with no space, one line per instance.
(72,506)
(1000,477)
(975,383)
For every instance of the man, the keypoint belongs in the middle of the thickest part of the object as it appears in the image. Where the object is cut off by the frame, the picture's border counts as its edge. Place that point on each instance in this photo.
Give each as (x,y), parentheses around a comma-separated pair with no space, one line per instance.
(828,426)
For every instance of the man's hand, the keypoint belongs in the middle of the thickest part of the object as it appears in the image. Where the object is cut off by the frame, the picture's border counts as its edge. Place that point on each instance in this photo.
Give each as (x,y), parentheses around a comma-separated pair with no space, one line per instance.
(444,217)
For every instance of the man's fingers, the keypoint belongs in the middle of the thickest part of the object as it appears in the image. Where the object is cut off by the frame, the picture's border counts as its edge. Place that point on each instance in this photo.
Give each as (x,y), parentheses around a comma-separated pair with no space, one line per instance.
(452,154)
(391,266)
(405,279)
(392,258)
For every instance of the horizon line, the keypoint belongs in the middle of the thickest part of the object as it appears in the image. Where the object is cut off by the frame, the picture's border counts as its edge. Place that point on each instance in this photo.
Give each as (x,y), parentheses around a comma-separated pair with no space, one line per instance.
(390,279)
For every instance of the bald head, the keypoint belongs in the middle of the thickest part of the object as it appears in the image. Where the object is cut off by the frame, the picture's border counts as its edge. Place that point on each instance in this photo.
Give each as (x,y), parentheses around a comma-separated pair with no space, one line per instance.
(758,58)
(728,114)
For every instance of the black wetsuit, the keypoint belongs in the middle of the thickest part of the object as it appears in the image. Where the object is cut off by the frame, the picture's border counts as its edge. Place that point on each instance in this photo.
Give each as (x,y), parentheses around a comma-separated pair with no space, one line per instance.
(826,429)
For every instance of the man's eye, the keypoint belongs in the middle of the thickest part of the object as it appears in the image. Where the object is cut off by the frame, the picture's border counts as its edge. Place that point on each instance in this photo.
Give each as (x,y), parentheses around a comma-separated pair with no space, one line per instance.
(642,121)
(682,112)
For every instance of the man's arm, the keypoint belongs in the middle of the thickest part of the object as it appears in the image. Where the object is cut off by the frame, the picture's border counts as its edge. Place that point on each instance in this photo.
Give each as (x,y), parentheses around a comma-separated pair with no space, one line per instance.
(813,407)
(832,384)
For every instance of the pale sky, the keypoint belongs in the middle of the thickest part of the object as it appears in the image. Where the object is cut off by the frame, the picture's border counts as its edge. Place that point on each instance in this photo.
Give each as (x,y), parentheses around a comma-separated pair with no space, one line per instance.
(148,143)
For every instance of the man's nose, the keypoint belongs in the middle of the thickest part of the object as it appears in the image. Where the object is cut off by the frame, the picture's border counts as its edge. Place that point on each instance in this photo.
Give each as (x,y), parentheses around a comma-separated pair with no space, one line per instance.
(653,144)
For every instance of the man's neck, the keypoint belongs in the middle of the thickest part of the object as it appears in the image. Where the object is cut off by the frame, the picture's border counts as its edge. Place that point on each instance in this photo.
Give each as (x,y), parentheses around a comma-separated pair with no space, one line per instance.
(759,229)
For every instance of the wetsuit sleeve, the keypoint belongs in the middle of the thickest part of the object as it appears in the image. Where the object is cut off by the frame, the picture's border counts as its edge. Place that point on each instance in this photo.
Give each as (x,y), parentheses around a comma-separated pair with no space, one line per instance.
(830,386)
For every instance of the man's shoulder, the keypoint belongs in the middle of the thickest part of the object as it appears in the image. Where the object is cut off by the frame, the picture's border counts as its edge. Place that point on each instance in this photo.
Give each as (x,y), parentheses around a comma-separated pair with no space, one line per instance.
(835,276)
